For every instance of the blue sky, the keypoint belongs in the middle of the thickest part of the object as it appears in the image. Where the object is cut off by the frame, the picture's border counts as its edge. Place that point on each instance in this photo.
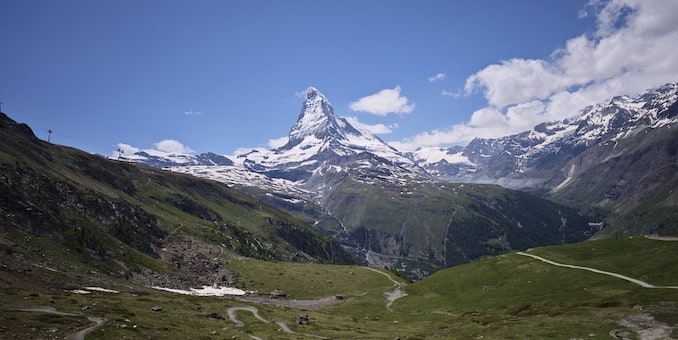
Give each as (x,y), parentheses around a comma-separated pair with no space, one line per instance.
(223,75)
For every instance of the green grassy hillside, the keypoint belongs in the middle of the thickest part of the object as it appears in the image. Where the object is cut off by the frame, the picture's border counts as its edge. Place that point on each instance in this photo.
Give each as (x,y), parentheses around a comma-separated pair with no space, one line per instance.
(137,222)
(501,297)
(513,296)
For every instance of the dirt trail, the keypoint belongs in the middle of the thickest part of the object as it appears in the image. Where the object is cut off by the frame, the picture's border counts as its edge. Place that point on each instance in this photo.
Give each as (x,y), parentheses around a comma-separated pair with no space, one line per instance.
(397,292)
(290,303)
(283,326)
(80,335)
(253,310)
(620,276)
(643,325)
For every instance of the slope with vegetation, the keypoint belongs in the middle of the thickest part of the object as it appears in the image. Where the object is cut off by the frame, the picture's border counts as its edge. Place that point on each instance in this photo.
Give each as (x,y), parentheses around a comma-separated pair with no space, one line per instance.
(419,228)
(502,297)
(138,222)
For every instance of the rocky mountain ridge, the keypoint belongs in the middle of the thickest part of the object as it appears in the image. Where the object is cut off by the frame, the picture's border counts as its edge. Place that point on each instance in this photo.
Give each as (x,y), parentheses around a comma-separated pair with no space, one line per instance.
(536,158)
(321,144)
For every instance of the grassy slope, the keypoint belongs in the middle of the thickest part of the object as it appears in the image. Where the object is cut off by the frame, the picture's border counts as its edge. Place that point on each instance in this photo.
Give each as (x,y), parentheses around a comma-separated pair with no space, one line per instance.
(120,217)
(507,296)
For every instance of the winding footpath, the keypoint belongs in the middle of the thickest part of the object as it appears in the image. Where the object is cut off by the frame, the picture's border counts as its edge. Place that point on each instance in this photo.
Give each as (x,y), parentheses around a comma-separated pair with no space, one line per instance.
(283,326)
(80,335)
(390,298)
(620,276)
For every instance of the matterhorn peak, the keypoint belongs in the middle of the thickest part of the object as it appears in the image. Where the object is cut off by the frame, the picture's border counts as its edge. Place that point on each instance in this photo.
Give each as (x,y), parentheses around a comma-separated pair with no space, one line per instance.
(319,133)
(317,119)
(315,106)
(312,92)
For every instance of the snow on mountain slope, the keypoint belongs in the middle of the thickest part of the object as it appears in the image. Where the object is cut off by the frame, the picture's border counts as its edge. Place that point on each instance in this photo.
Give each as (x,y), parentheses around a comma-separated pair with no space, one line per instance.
(320,146)
(537,153)
(163,159)
(431,155)
(320,135)
(237,175)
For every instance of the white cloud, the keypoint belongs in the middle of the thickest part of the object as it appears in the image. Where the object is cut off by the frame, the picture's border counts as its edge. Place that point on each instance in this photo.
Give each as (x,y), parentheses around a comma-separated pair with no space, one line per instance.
(172,146)
(515,81)
(632,49)
(383,102)
(164,146)
(124,149)
(243,150)
(451,94)
(193,113)
(439,76)
(277,142)
(376,129)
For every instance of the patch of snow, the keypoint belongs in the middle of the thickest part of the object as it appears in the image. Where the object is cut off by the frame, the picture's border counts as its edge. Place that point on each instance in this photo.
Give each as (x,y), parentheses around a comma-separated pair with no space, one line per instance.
(205,291)
(99,289)
(432,155)
(568,180)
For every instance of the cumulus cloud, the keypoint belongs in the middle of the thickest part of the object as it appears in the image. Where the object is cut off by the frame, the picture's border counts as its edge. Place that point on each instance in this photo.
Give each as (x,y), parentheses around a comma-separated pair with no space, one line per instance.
(383,102)
(245,150)
(376,129)
(439,76)
(172,146)
(631,49)
(124,149)
(277,142)
(164,146)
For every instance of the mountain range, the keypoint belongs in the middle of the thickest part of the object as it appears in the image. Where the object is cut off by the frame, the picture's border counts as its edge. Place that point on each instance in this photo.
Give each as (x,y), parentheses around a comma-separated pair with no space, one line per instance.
(420,211)
(538,158)
(612,167)
(336,194)
(631,140)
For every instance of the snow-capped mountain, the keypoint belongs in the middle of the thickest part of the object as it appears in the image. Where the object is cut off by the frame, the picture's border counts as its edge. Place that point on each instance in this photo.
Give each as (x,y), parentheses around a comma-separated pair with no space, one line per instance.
(319,139)
(322,147)
(537,157)
(395,207)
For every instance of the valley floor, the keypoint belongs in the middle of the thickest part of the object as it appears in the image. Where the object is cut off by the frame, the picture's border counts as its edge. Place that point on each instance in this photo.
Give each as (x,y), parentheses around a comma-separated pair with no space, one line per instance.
(586,290)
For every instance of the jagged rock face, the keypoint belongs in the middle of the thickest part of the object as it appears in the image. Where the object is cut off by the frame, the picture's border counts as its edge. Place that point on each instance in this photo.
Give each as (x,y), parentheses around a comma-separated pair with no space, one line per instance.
(317,119)
(320,135)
